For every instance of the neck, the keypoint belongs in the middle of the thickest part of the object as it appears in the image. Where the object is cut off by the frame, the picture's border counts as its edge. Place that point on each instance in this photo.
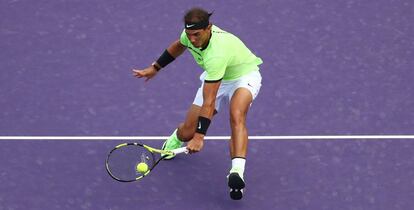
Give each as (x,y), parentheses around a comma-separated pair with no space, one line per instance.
(205,45)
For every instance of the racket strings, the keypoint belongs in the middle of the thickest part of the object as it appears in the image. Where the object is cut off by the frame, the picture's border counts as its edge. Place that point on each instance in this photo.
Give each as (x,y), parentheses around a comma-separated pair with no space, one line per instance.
(122,162)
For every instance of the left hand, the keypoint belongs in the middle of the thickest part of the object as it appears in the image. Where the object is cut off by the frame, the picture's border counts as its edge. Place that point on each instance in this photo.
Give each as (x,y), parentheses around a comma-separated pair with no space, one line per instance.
(196,143)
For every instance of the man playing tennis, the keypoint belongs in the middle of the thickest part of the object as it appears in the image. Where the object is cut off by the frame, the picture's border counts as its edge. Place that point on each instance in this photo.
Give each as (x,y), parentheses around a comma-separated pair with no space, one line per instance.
(231,73)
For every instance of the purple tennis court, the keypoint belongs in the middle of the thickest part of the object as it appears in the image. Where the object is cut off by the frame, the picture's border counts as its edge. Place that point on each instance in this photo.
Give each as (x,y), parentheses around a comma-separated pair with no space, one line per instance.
(330,68)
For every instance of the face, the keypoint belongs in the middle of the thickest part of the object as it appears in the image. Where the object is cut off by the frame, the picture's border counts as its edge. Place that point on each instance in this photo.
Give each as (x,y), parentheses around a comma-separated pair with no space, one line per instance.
(199,38)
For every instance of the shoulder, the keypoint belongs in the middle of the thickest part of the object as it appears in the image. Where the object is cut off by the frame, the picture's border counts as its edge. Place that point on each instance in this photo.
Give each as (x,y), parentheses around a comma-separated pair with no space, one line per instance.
(222,38)
(184,39)
(220,34)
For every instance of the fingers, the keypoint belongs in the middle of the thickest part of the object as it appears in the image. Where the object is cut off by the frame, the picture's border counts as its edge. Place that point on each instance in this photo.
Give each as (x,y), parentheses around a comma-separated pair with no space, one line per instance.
(194,148)
(137,73)
(148,73)
(192,151)
(140,74)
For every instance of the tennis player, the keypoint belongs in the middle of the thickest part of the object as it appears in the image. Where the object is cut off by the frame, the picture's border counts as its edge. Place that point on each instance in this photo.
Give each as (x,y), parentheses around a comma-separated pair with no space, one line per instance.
(231,73)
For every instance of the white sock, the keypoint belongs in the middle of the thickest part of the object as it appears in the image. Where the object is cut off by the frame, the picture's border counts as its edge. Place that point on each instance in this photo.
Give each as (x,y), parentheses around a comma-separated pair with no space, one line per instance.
(237,165)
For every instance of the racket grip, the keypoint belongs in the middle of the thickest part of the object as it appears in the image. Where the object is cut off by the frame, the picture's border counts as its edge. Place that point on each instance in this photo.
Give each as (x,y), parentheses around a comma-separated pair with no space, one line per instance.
(180,150)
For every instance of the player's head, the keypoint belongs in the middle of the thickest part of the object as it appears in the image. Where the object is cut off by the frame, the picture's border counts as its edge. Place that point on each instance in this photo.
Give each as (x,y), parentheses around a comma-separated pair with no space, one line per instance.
(197,26)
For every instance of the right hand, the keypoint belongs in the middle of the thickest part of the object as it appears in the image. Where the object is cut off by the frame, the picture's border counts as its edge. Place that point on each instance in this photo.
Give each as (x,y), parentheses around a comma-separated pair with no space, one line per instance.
(148,73)
(196,143)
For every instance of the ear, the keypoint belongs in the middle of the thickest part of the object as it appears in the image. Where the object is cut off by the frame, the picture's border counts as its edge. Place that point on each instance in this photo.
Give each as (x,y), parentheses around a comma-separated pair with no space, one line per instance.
(209,26)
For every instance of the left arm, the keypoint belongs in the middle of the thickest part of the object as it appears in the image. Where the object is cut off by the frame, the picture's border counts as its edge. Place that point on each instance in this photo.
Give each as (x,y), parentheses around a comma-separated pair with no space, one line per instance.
(210,90)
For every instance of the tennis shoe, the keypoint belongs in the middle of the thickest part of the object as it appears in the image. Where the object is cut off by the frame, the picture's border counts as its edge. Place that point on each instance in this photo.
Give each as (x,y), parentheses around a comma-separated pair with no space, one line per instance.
(236,184)
(170,144)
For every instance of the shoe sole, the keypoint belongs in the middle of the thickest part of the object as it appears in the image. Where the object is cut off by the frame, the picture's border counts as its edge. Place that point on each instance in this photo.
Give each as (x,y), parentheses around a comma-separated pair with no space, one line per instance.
(236,185)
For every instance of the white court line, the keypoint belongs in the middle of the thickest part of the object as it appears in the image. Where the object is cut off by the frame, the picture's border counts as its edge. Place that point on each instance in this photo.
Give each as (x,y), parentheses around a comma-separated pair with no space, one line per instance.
(141,138)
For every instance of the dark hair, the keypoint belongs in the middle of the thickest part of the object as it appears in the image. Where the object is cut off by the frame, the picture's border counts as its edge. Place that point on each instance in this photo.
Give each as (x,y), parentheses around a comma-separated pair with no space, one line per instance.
(197,14)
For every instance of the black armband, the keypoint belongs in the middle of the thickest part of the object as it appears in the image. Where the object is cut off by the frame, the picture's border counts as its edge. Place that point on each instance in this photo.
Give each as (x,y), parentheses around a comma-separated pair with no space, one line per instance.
(202,125)
(165,59)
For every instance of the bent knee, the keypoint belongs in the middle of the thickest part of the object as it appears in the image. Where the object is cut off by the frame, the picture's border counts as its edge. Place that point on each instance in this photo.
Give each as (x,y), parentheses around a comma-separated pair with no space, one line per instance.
(185,133)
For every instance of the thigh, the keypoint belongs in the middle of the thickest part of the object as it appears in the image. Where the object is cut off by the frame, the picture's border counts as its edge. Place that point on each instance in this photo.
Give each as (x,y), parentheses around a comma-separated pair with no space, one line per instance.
(240,104)
(244,91)
(221,96)
(251,82)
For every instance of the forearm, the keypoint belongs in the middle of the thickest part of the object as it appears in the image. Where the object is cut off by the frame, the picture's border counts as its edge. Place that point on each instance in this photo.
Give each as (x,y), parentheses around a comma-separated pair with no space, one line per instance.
(206,114)
(176,49)
(204,119)
(169,55)
(207,110)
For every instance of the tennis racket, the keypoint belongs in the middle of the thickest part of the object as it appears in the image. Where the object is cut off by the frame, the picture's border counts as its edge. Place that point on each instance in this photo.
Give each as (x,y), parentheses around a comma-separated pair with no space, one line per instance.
(122,161)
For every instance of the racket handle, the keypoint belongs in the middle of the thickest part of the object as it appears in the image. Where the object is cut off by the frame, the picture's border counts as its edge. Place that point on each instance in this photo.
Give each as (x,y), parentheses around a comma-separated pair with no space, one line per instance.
(180,150)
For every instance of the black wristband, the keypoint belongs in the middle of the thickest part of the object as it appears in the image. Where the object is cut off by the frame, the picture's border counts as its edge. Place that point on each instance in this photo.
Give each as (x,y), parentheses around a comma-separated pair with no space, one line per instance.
(165,59)
(202,125)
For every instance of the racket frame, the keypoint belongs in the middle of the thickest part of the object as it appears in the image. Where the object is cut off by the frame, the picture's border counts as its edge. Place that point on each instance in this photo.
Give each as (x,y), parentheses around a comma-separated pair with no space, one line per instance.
(152,150)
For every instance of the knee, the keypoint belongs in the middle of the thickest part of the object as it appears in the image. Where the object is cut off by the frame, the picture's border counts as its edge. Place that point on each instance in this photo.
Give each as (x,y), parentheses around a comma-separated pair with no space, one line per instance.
(237,118)
(185,133)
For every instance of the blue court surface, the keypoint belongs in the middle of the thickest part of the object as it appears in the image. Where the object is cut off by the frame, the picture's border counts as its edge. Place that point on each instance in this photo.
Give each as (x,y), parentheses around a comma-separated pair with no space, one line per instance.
(330,68)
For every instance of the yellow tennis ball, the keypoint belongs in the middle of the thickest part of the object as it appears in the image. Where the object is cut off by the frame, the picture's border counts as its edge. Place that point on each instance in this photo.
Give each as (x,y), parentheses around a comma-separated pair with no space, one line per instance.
(142,167)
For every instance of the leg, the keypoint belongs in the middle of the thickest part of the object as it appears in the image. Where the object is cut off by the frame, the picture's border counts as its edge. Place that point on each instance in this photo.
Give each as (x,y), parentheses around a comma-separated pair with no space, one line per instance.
(187,129)
(239,106)
(246,90)
(184,132)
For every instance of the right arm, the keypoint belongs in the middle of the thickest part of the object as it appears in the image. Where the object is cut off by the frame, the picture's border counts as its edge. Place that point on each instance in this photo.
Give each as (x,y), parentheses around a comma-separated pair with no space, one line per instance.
(175,50)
